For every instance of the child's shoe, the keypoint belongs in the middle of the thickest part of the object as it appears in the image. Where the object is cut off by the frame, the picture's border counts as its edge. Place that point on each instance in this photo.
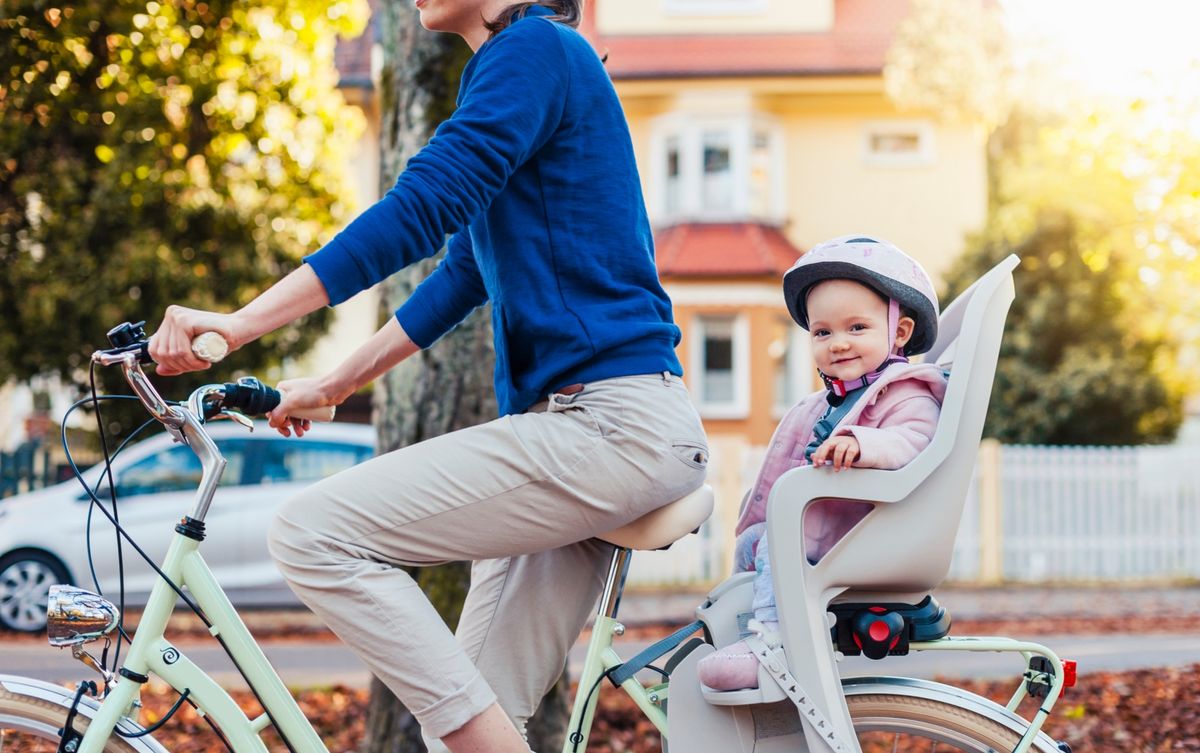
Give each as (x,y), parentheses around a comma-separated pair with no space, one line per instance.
(735,667)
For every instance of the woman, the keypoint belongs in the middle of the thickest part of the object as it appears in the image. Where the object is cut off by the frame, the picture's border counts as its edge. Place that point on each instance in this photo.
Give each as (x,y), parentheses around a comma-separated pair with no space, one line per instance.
(535,175)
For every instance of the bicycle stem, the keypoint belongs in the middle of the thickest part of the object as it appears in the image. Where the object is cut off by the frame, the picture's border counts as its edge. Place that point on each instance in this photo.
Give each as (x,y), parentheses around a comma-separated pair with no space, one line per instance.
(180,422)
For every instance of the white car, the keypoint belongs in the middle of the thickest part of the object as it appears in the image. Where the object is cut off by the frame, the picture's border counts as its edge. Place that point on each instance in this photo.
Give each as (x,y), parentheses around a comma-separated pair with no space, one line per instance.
(43,534)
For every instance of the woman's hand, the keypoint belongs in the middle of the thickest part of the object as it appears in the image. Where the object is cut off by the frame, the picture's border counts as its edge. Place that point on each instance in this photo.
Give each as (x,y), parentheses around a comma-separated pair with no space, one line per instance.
(299,394)
(171,345)
(842,450)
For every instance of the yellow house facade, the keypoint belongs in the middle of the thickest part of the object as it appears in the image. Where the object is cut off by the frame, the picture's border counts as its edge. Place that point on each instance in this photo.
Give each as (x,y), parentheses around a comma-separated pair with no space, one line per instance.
(762,127)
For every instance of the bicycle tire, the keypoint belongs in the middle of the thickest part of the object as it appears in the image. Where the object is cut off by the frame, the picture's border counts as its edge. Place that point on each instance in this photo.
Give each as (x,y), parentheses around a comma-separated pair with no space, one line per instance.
(31,725)
(883,714)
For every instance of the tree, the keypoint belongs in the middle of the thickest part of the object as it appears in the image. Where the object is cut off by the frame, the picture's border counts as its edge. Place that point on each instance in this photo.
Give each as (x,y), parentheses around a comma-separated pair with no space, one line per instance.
(951,57)
(449,386)
(1097,195)
(1076,366)
(155,153)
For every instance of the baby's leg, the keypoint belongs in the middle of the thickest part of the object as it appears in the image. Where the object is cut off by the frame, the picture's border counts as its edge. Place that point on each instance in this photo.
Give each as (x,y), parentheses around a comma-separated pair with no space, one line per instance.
(744,546)
(734,667)
(764,587)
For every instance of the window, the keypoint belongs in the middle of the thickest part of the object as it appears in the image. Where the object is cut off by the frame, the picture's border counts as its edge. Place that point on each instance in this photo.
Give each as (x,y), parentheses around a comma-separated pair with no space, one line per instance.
(286,462)
(717,188)
(898,143)
(177,470)
(720,366)
(673,187)
(717,169)
(761,189)
(714,7)
(791,362)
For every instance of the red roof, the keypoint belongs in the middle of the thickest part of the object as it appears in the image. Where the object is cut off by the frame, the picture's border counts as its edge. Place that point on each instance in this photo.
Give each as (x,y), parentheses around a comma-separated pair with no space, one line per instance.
(723,249)
(857,43)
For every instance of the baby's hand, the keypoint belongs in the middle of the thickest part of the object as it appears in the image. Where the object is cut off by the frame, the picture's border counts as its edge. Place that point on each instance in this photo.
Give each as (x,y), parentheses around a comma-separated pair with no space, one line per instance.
(842,450)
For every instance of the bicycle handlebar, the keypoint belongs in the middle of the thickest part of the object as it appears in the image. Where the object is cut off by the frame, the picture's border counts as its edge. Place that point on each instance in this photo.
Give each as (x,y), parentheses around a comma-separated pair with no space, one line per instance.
(248,395)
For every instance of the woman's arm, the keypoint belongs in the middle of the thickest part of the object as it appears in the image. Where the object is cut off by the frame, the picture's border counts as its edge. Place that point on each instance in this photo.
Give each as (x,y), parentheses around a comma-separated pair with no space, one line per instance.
(386,348)
(300,293)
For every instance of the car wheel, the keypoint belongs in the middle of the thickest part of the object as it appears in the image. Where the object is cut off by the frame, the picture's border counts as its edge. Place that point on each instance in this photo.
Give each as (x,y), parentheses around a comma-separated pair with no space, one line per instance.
(25,580)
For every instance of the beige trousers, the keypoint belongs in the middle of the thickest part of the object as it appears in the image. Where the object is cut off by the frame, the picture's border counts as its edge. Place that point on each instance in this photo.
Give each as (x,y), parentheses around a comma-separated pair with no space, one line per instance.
(522,497)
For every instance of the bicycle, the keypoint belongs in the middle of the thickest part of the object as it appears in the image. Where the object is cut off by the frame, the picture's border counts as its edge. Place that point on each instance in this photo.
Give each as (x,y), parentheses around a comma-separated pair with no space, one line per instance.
(800,705)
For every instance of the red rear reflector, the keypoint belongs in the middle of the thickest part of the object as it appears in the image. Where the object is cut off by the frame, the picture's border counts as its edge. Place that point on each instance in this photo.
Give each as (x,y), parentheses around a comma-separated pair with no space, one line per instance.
(1068,674)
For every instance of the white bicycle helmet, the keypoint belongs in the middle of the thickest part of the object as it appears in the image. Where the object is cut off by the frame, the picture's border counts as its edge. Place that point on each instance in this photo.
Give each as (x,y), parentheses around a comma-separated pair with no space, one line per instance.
(877,264)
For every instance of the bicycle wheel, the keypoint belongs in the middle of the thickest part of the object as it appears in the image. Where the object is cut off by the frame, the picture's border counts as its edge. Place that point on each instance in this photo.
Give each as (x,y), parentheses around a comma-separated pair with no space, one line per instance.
(31,725)
(889,722)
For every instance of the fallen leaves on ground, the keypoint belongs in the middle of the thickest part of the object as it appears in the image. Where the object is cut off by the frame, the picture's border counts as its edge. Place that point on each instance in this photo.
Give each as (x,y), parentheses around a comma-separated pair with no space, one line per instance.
(1146,711)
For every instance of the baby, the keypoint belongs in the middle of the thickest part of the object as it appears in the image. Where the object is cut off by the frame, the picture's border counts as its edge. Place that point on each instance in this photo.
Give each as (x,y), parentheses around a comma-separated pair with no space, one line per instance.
(866,305)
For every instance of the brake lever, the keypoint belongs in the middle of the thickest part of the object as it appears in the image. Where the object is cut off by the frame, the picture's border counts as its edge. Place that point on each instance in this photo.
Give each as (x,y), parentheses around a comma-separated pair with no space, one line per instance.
(236,416)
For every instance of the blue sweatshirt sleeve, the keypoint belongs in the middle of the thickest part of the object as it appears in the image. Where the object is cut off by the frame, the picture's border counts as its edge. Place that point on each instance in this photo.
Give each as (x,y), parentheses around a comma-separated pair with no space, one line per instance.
(511,102)
(445,297)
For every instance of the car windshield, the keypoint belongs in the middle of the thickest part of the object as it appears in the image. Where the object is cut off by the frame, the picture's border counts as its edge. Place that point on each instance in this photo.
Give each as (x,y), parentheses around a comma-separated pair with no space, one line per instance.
(288,461)
(177,469)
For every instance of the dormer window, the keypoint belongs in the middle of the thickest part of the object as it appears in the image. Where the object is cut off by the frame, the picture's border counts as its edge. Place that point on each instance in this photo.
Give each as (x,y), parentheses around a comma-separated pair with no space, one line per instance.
(714,7)
(898,143)
(716,170)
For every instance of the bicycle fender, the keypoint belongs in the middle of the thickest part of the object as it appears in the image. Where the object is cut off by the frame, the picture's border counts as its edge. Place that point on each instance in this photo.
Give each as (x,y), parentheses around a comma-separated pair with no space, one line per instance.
(88,707)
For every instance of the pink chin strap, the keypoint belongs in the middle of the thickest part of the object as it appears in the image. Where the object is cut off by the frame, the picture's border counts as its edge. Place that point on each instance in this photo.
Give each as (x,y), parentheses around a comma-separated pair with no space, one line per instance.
(839,388)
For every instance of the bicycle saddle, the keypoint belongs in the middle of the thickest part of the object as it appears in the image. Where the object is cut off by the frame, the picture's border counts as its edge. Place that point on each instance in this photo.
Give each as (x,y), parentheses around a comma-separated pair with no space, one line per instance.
(666,525)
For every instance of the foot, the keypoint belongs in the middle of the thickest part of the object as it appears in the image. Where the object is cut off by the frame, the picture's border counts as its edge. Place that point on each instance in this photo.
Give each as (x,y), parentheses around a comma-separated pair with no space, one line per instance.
(734,667)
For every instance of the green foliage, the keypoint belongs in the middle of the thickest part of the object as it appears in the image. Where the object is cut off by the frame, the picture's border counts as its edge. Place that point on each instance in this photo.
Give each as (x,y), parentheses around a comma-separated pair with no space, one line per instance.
(151,154)
(1078,364)
(952,58)
(1098,190)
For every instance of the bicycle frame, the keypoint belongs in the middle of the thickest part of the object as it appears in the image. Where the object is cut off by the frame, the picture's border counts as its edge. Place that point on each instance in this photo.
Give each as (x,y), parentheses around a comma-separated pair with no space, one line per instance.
(150,652)
(601,658)
(183,565)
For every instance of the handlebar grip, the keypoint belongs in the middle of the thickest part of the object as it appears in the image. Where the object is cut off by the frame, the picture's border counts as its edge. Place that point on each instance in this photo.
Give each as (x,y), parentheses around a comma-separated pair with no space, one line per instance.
(254,398)
(323,414)
(210,346)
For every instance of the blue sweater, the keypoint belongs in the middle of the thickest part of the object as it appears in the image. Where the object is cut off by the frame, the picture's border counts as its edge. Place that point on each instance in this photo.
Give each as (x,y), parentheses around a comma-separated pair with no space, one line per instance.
(535,174)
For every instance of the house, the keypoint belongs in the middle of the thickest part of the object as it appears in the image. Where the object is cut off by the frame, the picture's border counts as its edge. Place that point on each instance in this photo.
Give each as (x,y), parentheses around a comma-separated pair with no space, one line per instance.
(762,127)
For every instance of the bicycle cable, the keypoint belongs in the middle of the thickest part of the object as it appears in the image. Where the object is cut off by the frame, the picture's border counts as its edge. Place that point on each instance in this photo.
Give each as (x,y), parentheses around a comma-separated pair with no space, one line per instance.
(112,493)
(92,507)
(166,717)
(120,530)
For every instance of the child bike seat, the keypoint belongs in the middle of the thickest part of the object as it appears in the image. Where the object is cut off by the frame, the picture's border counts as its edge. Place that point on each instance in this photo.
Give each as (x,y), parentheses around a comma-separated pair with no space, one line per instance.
(666,525)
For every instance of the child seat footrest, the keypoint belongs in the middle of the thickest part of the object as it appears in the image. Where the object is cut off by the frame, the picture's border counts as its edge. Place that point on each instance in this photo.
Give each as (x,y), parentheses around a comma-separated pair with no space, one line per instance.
(877,630)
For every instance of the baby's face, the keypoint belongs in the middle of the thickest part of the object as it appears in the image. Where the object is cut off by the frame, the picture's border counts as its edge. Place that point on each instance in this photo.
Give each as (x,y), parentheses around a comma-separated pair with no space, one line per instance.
(848,323)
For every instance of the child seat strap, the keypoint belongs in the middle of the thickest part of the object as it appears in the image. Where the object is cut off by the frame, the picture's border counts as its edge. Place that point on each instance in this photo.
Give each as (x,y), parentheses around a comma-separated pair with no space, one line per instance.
(772,659)
(623,672)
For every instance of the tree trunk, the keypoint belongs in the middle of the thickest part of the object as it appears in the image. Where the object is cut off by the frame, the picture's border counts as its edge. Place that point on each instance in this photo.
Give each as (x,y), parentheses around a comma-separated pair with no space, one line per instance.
(448,387)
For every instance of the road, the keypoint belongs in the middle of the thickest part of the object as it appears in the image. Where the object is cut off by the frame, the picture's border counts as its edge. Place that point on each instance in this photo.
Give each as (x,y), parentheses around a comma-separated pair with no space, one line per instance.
(325,663)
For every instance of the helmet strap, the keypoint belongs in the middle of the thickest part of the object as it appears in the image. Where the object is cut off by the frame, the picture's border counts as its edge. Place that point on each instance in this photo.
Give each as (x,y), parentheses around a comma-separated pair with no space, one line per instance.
(893,323)
(837,389)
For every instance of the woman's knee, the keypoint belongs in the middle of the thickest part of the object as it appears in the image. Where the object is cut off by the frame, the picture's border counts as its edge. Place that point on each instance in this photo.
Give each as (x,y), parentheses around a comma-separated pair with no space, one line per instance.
(292,538)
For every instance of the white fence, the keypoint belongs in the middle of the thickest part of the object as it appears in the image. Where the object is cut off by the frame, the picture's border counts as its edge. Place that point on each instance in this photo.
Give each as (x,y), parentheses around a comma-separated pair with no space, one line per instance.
(1066,514)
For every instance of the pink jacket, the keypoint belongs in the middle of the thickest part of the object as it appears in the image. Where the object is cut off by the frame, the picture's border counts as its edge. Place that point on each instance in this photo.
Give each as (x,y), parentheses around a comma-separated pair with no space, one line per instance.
(893,421)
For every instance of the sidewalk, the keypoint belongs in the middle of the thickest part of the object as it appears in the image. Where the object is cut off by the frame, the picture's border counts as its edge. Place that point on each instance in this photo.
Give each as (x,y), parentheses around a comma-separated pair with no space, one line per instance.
(1011,601)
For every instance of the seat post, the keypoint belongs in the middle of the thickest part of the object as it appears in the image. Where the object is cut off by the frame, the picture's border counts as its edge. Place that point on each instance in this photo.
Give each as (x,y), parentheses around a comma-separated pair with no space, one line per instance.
(618,568)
